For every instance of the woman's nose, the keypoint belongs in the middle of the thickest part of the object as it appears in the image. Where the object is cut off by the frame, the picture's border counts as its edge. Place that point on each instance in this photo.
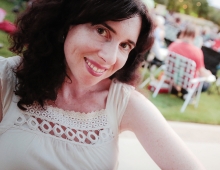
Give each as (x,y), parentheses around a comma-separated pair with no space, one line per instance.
(109,52)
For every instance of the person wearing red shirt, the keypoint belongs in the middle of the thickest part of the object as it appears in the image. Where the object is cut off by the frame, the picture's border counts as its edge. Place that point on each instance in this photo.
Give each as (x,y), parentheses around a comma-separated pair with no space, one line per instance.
(185,47)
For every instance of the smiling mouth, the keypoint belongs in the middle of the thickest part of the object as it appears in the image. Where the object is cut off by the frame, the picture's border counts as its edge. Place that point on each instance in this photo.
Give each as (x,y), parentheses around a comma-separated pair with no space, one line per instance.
(94,68)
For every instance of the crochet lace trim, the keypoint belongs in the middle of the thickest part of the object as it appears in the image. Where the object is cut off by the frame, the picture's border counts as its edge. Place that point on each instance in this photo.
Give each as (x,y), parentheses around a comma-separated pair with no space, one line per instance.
(85,128)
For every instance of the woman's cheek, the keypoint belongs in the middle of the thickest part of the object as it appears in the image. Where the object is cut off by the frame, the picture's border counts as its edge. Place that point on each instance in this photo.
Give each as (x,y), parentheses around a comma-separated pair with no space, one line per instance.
(121,62)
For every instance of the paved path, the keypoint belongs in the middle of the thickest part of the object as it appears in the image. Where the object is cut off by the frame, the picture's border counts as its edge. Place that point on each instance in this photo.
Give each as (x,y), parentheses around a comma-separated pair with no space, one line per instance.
(203,140)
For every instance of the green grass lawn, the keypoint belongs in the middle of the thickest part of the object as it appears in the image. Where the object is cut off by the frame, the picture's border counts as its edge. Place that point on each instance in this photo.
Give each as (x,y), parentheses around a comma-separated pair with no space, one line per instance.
(10,16)
(8,5)
(4,40)
(207,112)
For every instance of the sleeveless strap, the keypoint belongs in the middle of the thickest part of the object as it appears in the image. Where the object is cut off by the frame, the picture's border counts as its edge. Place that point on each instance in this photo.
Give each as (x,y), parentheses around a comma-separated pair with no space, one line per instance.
(117,101)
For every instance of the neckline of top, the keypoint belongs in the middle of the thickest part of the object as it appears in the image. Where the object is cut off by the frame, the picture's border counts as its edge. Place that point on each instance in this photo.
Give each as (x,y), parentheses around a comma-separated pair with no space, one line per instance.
(60,110)
(49,106)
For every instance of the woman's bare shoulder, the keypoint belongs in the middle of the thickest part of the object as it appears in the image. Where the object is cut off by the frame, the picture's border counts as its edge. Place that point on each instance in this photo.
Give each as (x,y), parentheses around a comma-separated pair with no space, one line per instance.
(139,108)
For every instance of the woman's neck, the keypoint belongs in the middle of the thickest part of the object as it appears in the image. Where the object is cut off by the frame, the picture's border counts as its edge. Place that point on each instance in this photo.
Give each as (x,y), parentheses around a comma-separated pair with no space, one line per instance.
(73,97)
(75,89)
(188,40)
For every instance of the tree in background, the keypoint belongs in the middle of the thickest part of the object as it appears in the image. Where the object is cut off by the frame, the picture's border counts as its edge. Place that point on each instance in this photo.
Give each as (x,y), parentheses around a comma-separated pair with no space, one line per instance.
(164,2)
(199,7)
(202,8)
(196,8)
(213,15)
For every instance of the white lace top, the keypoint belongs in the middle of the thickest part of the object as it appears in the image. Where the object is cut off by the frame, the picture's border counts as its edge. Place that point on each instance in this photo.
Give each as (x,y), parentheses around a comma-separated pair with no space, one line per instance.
(55,139)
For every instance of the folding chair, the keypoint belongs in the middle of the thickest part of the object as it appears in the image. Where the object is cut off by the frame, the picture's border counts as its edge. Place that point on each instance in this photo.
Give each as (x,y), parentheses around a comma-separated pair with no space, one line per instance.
(152,68)
(152,72)
(180,71)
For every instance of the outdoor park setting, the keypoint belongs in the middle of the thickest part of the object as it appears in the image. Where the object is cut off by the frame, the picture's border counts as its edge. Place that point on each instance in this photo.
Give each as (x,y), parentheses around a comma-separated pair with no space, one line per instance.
(207,111)
(172,16)
(208,108)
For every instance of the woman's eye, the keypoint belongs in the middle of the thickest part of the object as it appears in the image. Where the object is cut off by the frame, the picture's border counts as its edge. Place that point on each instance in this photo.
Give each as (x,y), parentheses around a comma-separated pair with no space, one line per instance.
(102,32)
(126,46)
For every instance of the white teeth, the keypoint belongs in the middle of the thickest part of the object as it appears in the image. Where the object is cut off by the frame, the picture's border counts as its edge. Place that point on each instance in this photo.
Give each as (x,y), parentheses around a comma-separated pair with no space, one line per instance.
(94,68)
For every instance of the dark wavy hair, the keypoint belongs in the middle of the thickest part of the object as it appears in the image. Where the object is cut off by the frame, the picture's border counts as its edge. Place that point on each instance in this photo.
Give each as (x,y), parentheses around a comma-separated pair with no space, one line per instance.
(39,40)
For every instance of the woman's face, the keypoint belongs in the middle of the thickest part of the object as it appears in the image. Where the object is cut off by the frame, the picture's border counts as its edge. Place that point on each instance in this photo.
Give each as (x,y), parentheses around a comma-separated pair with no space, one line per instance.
(95,52)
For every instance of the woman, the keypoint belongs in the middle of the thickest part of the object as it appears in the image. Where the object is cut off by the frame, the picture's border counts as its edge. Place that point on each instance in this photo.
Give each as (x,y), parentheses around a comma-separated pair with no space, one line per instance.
(72,96)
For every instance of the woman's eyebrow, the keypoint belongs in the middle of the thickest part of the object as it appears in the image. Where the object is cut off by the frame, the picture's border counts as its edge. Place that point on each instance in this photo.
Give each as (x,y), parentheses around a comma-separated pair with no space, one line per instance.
(109,27)
(132,42)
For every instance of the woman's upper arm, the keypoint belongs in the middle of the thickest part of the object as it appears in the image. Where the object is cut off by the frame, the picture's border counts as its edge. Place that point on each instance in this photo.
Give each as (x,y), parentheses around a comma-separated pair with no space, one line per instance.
(7,82)
(156,136)
(1,112)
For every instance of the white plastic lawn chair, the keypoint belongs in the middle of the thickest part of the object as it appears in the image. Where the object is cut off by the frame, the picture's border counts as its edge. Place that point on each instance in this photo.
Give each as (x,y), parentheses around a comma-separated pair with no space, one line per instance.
(153,70)
(180,71)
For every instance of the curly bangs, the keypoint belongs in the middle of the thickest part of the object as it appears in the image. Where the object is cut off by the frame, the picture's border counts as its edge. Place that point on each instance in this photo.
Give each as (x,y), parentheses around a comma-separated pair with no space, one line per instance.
(40,35)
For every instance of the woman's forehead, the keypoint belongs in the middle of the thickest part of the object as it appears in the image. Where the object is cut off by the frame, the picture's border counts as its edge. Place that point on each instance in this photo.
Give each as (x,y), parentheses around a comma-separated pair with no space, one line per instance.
(130,27)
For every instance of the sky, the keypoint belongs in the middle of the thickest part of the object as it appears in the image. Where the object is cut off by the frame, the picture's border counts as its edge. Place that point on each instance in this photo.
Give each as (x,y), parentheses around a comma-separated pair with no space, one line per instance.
(215,3)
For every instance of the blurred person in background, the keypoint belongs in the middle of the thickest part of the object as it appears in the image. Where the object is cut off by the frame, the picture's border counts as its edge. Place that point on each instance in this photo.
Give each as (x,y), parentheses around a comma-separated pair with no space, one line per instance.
(206,35)
(159,50)
(2,16)
(216,43)
(21,4)
(5,25)
(185,47)
(198,40)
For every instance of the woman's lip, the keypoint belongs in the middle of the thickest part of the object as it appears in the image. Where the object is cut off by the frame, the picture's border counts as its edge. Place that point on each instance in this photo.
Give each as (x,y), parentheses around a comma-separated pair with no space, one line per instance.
(96,64)
(91,70)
